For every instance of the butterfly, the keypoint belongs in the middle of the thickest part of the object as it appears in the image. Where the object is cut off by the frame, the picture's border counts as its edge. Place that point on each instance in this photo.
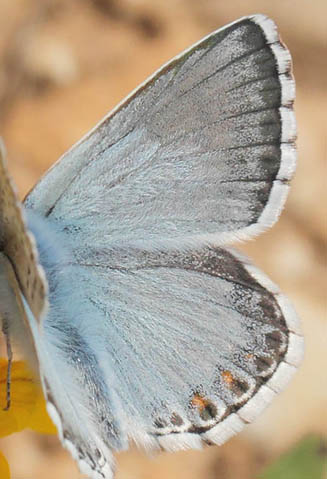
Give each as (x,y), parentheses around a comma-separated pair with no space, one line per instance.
(118,267)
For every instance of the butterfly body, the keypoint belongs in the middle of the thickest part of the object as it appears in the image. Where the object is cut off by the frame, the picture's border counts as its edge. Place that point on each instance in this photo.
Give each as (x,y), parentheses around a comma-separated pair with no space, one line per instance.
(152,328)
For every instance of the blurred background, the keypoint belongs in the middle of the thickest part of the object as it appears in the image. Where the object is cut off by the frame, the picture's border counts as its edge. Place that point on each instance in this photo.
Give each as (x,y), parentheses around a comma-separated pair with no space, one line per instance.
(63,65)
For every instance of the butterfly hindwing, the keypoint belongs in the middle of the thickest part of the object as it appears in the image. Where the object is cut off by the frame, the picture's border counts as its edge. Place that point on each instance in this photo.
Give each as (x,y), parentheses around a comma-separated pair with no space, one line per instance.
(189,339)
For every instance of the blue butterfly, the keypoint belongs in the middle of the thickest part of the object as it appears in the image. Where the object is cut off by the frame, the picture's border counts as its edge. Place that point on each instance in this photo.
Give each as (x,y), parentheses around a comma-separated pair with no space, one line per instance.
(118,272)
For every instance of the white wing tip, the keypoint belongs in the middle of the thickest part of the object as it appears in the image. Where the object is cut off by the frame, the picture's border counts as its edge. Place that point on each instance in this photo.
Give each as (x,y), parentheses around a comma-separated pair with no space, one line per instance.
(257,404)
(176,442)
(224,430)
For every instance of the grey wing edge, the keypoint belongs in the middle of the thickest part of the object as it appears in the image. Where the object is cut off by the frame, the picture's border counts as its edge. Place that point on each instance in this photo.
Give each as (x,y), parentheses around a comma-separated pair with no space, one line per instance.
(288,154)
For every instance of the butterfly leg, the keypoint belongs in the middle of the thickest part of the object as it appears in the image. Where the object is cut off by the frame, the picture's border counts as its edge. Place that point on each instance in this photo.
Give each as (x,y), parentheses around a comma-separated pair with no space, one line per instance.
(5,330)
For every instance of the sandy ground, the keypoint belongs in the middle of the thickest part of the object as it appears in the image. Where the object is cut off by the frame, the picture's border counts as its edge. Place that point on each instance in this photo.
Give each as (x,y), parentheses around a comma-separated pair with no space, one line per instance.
(63,65)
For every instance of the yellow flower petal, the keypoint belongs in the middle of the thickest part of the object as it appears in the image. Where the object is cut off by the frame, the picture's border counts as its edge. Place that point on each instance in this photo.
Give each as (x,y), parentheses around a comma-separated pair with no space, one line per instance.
(4,468)
(27,409)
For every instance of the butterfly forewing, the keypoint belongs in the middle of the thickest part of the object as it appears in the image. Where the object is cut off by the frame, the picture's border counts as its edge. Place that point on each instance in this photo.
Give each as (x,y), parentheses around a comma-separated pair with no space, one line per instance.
(206,146)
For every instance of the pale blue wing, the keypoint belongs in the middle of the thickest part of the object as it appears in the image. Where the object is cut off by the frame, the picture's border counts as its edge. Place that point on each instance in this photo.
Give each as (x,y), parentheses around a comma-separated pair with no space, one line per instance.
(151,335)
(203,149)
(166,348)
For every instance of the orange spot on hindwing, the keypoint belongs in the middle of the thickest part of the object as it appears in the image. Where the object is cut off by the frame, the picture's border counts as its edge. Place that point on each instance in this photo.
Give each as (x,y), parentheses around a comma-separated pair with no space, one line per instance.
(207,410)
(228,378)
